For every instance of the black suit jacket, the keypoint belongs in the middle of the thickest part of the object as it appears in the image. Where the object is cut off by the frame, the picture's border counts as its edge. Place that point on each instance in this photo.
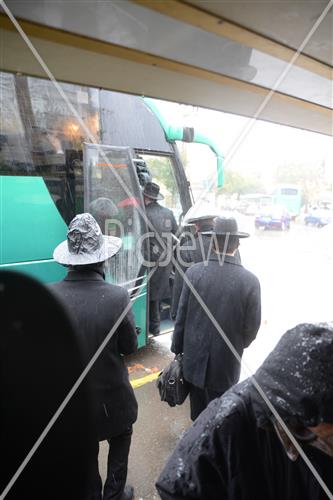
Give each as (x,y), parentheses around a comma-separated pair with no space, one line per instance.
(232,295)
(95,307)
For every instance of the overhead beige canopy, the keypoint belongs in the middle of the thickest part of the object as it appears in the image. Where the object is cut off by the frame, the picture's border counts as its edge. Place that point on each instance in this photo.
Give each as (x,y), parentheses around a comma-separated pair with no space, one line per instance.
(267,60)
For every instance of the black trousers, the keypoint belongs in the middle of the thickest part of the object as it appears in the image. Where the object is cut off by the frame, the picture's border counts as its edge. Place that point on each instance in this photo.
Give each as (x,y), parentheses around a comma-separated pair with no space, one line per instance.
(154,317)
(115,482)
(200,399)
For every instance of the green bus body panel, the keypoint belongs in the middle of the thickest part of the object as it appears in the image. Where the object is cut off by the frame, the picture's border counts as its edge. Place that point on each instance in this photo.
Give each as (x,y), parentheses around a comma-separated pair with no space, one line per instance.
(31,226)
(46,272)
(176,133)
(139,308)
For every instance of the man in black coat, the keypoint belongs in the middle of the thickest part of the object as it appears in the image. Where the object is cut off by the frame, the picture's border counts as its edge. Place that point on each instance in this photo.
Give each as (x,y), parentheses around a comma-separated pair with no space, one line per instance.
(232,295)
(163,226)
(95,307)
(239,448)
(197,247)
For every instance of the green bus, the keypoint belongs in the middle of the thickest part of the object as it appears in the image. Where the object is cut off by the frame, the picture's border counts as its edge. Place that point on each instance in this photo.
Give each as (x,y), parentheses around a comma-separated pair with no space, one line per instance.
(290,197)
(62,151)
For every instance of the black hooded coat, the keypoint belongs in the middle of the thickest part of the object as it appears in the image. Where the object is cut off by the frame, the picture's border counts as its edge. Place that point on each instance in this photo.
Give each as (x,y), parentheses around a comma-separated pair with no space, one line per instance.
(232,451)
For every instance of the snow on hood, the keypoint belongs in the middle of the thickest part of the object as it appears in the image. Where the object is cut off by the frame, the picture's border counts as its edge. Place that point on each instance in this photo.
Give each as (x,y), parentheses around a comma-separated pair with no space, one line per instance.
(297,376)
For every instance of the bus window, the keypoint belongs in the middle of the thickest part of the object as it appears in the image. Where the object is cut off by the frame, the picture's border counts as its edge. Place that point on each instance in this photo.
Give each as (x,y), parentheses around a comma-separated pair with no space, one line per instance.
(113,196)
(41,137)
(289,191)
(200,163)
(162,173)
(14,154)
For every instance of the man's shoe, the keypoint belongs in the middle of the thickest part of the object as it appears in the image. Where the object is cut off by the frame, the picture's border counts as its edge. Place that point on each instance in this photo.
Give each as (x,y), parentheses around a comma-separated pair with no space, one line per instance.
(154,334)
(128,493)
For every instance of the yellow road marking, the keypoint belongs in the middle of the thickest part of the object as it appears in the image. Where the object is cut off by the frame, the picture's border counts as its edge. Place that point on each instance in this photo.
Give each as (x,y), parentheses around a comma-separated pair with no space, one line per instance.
(138,382)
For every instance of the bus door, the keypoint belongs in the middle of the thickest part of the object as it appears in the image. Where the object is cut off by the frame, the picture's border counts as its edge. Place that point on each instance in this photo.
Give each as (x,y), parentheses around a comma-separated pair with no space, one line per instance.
(113,196)
(166,174)
(163,173)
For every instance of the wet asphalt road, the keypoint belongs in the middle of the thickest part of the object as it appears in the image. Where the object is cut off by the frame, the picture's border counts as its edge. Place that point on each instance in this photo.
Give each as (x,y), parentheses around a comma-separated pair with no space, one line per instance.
(295,269)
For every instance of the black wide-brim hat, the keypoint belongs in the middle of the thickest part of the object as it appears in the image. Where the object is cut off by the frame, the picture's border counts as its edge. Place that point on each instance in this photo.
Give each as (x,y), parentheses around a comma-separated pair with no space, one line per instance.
(152,191)
(226,226)
(200,213)
(200,218)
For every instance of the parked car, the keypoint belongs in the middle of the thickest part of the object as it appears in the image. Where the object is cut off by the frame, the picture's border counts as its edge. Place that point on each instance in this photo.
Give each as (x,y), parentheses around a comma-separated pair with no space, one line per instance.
(319,218)
(273,217)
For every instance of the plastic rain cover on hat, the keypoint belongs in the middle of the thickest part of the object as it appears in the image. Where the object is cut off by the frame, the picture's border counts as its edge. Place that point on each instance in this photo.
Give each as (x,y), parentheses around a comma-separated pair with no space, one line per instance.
(85,243)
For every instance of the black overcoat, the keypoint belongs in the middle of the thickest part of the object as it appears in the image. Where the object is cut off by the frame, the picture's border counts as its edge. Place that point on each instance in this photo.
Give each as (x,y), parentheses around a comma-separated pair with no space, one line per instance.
(194,251)
(95,306)
(163,224)
(233,452)
(197,249)
(232,295)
